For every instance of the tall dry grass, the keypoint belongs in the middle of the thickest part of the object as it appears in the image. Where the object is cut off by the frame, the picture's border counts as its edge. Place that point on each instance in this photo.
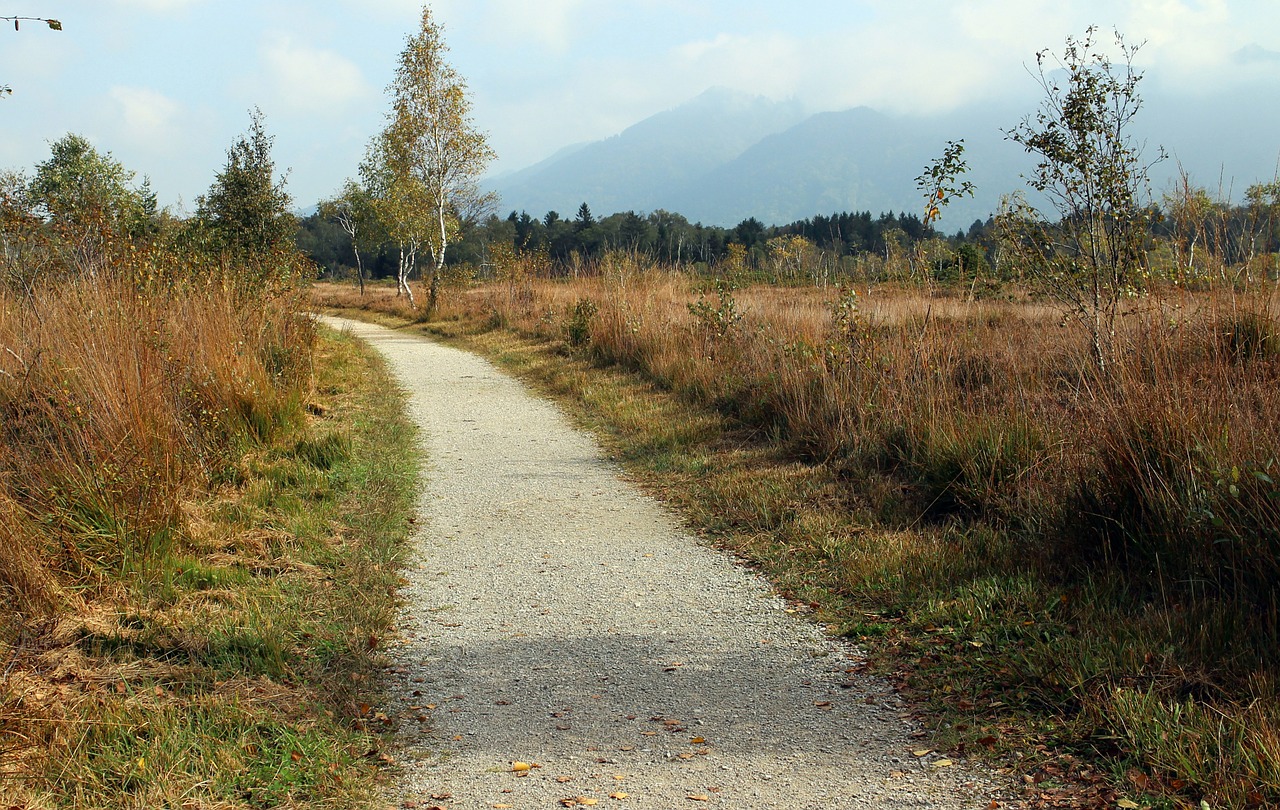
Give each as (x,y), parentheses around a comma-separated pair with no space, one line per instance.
(986,409)
(117,398)
(1112,539)
(1154,487)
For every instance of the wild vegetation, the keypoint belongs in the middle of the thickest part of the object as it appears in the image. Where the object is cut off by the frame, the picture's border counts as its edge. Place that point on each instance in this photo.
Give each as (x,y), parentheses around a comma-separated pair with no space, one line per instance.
(192,586)
(1046,557)
(1035,471)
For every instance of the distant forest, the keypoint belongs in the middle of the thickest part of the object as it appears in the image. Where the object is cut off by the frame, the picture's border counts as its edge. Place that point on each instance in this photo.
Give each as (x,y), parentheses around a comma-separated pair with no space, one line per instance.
(1185,228)
(663,236)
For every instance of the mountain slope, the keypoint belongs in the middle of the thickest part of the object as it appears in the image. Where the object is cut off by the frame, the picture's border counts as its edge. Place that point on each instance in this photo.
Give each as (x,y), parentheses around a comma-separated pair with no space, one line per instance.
(636,168)
(724,157)
(845,161)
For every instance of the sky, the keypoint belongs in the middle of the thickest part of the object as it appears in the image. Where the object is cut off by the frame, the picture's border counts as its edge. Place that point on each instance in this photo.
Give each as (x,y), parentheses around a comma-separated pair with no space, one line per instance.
(165,86)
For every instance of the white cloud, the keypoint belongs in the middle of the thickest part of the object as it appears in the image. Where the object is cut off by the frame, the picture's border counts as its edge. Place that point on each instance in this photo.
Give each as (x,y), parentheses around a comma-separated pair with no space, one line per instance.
(145,116)
(311,79)
(551,24)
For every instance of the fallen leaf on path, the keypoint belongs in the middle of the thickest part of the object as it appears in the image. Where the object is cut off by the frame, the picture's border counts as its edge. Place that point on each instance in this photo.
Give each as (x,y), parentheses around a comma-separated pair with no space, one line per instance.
(697,741)
(698,798)
(520,767)
(943,763)
(618,795)
(922,752)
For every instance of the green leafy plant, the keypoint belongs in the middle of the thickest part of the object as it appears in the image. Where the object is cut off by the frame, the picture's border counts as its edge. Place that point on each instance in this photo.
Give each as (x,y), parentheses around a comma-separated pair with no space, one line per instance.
(721,318)
(1091,255)
(941,181)
(577,327)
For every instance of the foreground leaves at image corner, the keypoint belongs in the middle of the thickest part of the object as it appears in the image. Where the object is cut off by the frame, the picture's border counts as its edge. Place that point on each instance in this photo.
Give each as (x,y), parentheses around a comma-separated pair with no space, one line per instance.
(235,676)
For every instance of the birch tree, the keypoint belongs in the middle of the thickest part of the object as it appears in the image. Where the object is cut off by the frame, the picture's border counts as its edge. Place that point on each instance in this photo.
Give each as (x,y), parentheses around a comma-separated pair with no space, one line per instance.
(400,203)
(1091,170)
(433,150)
(353,210)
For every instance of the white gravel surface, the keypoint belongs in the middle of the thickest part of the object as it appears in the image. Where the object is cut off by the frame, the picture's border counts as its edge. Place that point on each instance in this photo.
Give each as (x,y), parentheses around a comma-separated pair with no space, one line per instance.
(555,616)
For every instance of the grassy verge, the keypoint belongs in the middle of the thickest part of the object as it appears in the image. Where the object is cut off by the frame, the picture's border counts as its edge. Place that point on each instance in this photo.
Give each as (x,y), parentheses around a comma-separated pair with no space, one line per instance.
(236,669)
(916,476)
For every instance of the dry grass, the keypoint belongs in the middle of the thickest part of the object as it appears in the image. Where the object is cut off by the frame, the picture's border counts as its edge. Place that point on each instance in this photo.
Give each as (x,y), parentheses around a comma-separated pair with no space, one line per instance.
(199,510)
(1046,555)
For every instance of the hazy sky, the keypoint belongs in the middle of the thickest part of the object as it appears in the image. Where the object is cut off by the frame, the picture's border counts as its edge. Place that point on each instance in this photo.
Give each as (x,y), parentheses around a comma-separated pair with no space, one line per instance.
(166,85)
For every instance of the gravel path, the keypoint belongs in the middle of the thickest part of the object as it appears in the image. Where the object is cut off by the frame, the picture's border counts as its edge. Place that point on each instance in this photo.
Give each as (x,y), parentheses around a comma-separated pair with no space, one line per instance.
(557,617)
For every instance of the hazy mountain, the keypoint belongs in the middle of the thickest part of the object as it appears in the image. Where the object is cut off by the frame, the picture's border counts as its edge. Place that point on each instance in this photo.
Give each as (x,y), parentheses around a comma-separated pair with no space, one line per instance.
(637,168)
(724,157)
(843,161)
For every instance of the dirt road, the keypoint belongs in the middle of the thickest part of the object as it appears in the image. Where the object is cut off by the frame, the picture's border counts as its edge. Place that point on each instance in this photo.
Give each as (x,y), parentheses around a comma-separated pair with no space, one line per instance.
(559,618)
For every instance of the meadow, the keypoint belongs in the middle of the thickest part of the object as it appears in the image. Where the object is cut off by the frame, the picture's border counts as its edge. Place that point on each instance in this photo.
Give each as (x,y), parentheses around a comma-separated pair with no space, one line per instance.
(1072,571)
(202,498)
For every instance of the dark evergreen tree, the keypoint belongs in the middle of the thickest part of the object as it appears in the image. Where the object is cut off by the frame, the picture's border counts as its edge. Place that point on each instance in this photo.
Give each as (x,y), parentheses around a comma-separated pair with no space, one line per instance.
(247,208)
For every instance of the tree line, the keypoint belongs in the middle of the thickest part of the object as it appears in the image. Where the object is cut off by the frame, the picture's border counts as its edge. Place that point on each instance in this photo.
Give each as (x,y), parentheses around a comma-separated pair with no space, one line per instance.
(664,237)
(1185,229)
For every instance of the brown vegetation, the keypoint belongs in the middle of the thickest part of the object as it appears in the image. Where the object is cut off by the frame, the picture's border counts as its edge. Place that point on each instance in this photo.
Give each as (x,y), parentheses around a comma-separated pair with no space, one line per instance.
(189,577)
(1087,558)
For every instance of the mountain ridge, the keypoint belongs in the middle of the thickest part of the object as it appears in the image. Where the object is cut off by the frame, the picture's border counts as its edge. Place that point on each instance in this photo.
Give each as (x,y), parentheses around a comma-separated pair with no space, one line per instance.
(724,156)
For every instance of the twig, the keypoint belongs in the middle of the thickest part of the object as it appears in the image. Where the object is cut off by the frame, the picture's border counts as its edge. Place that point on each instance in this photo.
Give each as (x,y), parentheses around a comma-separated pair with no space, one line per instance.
(13,658)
